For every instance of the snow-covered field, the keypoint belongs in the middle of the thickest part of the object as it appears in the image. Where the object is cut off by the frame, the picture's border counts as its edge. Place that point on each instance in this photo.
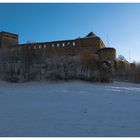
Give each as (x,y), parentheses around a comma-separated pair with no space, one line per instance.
(69,109)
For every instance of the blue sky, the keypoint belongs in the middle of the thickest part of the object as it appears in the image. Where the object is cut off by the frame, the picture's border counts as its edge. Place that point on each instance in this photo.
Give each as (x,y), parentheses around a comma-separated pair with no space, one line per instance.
(47,22)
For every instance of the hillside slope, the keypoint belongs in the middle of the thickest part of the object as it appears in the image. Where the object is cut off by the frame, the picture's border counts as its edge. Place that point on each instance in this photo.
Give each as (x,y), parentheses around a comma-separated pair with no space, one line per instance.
(69,109)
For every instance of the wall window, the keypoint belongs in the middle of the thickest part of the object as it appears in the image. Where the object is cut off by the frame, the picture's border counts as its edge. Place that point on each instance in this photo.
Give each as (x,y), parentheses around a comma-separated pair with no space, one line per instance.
(52,45)
(39,46)
(58,44)
(68,43)
(73,43)
(63,44)
(44,45)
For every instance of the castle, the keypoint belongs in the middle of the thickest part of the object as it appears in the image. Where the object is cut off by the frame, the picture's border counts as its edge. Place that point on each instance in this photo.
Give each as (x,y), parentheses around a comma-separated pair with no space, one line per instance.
(35,54)
(90,42)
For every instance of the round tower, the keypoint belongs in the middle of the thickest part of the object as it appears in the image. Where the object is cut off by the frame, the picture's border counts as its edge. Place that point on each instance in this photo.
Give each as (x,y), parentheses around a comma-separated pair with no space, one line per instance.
(107,54)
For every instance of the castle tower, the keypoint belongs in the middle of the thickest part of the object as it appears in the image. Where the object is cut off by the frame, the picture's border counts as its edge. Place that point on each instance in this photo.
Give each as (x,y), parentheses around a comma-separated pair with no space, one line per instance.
(7,40)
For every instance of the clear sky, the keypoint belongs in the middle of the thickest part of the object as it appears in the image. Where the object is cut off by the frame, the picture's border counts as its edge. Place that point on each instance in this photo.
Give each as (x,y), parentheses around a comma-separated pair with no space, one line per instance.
(48,22)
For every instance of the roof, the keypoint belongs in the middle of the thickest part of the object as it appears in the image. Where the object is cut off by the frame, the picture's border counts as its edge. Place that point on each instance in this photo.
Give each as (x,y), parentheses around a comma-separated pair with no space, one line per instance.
(91,34)
(3,32)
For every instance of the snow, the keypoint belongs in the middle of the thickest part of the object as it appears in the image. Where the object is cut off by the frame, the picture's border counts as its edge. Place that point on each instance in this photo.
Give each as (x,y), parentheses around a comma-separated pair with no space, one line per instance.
(69,109)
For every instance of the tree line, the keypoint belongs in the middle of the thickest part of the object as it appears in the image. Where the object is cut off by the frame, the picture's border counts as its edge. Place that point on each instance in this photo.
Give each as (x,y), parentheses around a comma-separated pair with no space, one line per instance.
(27,64)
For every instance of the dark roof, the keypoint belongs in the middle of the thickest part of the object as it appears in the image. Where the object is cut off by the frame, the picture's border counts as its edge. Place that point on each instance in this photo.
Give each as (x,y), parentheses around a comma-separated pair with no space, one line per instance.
(91,34)
(8,33)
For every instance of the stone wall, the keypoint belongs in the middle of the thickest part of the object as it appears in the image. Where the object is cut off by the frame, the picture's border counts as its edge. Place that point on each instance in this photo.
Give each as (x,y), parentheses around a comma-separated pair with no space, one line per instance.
(72,47)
